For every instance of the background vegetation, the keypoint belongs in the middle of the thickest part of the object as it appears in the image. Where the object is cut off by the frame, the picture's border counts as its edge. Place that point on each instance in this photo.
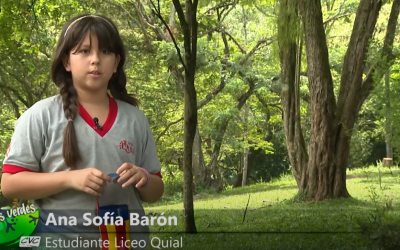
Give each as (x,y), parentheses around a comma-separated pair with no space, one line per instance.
(238,54)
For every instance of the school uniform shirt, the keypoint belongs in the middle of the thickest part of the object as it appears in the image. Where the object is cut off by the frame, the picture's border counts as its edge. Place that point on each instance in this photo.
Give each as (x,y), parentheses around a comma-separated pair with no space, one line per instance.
(125,137)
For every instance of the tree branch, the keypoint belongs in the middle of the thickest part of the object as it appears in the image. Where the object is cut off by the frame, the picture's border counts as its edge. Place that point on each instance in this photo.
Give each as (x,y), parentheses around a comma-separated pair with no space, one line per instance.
(45,53)
(185,29)
(15,92)
(263,12)
(210,31)
(223,36)
(212,94)
(141,21)
(376,72)
(267,41)
(157,12)
(167,127)
(29,100)
(44,88)
(15,106)
(266,105)
(224,61)
(194,32)
(200,104)
(354,60)
(336,17)
(120,6)
(235,42)
(228,10)
(159,33)
(224,125)
(218,6)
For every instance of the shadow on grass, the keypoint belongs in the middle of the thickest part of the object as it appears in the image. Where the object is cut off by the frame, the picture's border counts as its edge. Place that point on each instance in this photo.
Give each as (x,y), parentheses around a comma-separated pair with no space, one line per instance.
(257,189)
(217,196)
(331,217)
(351,203)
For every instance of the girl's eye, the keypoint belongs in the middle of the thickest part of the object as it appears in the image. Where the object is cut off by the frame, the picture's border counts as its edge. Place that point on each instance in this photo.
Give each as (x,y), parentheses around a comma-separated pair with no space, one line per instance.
(85,51)
(105,51)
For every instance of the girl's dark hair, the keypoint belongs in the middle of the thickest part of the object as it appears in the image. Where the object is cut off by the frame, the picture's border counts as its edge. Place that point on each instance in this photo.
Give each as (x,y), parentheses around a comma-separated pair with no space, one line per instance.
(72,36)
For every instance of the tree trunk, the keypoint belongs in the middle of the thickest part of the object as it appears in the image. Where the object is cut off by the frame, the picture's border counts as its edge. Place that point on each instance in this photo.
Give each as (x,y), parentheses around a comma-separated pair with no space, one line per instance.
(188,21)
(245,166)
(288,29)
(322,178)
(212,166)
(199,168)
(323,175)
(388,125)
(246,149)
(238,180)
(354,90)
(189,131)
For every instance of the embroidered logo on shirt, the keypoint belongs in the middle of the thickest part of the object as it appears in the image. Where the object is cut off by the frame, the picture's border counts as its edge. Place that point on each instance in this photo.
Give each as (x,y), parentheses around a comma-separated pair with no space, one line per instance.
(127,146)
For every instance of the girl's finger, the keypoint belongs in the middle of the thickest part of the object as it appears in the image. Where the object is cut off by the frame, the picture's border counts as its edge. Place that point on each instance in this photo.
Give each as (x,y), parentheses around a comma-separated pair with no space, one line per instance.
(134,179)
(97,180)
(125,176)
(141,182)
(125,166)
(94,186)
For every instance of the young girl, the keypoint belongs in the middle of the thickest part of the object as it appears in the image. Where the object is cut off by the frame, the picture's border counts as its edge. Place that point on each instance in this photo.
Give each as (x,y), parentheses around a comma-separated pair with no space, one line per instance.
(64,147)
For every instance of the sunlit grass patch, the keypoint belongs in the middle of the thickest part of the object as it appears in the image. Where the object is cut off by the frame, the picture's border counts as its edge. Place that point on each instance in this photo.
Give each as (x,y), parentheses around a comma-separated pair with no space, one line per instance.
(273,220)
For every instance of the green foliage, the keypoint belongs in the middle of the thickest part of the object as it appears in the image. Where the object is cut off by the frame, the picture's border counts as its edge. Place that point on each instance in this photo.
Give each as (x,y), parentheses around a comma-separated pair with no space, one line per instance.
(28,34)
(360,149)
(151,70)
(395,107)
(381,226)
(173,179)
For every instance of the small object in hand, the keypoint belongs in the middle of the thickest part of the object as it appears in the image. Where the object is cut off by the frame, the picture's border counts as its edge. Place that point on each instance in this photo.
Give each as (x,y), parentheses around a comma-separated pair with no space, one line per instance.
(114,177)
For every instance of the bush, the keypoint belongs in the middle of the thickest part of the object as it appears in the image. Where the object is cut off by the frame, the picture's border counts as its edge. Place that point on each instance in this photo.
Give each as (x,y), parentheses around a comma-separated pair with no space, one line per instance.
(381,227)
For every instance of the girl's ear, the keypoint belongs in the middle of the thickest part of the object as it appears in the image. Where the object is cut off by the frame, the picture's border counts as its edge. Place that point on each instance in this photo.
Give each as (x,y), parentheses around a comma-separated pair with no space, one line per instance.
(117,59)
(66,63)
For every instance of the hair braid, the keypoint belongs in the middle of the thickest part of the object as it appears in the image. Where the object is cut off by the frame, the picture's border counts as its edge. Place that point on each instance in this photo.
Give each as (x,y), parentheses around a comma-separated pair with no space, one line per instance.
(70,105)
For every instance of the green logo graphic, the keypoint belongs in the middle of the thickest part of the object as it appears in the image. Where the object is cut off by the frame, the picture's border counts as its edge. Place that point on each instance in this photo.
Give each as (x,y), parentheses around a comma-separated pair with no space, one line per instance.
(15,223)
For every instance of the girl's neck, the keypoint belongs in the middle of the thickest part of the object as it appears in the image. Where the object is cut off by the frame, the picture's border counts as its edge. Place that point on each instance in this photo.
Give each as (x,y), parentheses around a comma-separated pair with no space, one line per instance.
(93,98)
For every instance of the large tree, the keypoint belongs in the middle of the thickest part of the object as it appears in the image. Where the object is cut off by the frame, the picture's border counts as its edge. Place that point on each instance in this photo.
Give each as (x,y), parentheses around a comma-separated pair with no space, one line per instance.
(320,170)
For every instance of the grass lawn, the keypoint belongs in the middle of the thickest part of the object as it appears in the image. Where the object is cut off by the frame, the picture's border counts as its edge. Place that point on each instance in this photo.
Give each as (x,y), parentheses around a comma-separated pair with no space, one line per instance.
(274,220)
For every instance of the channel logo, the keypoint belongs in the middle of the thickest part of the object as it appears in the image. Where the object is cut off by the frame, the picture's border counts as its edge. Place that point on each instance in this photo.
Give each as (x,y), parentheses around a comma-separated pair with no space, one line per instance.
(16,225)
(29,241)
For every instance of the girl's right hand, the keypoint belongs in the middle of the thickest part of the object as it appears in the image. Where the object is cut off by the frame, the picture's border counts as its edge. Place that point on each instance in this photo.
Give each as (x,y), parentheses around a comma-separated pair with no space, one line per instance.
(89,180)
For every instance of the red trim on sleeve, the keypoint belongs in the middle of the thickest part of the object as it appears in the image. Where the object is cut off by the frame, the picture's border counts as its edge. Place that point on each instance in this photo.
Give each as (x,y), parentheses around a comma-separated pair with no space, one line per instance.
(158,174)
(12,169)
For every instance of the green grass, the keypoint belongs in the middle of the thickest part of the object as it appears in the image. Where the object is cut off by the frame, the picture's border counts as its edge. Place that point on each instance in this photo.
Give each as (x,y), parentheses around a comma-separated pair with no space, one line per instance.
(274,220)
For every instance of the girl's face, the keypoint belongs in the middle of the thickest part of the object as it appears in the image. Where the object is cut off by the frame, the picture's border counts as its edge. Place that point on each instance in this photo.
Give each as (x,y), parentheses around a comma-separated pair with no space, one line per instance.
(91,67)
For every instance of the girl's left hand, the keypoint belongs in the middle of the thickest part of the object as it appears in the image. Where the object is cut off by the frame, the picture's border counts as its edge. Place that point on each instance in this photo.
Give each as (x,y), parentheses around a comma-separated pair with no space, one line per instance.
(131,174)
